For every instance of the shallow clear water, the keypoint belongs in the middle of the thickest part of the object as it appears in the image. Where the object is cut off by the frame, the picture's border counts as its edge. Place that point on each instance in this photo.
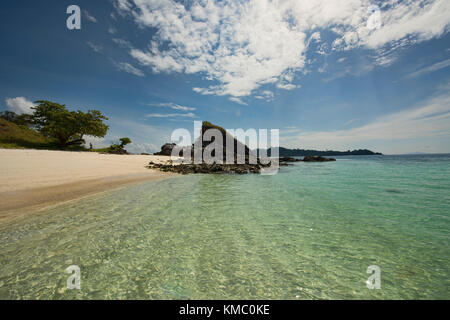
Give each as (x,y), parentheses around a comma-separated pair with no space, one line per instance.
(308,232)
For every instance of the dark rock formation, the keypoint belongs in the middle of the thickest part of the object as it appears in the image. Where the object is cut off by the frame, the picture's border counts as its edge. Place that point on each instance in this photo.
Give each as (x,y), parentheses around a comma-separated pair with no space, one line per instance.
(242,156)
(241,152)
(317,159)
(289,159)
(166,150)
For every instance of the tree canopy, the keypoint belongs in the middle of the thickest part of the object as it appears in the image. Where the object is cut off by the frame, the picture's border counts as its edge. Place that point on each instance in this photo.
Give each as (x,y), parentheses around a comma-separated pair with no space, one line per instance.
(119,148)
(67,127)
(124,141)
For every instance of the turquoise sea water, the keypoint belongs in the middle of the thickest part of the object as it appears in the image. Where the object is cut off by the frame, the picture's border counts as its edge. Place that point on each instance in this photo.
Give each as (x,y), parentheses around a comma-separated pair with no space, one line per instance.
(309,232)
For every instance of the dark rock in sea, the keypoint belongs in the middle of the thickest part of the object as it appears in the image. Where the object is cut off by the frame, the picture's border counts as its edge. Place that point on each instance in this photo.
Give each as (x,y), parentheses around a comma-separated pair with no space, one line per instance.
(288,159)
(207,168)
(317,159)
(166,150)
(285,161)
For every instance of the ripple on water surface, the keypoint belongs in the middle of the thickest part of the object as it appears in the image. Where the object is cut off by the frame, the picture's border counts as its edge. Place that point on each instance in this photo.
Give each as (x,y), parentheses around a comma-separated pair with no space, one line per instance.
(309,232)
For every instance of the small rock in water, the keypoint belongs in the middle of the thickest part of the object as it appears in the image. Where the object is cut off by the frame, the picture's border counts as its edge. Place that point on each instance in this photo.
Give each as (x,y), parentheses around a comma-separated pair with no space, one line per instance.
(393,191)
(317,159)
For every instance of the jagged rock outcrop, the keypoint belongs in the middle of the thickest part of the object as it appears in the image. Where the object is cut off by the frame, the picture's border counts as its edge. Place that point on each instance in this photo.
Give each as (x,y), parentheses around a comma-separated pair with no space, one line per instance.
(240,150)
(242,156)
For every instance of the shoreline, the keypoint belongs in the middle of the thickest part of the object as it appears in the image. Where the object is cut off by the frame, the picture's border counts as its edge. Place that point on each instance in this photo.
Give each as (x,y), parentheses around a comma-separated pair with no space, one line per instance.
(33,180)
(19,204)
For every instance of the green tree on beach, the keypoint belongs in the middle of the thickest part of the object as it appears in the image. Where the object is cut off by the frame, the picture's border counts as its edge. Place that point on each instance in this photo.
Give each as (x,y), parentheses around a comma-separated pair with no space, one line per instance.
(53,120)
(119,148)
(124,141)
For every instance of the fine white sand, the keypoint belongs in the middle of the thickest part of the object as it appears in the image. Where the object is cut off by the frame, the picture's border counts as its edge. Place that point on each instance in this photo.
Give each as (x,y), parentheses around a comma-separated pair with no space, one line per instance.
(36,177)
(25,169)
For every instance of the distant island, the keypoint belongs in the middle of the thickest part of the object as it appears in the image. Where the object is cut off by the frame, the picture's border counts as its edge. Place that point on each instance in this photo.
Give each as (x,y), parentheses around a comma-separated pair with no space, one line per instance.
(285,152)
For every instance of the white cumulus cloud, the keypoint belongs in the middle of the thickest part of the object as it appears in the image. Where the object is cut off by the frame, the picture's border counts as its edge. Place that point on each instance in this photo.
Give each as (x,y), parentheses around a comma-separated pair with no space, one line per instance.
(242,45)
(20,105)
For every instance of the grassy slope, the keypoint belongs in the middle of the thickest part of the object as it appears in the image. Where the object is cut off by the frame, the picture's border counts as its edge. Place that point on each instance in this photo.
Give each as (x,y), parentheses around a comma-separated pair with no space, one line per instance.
(13,136)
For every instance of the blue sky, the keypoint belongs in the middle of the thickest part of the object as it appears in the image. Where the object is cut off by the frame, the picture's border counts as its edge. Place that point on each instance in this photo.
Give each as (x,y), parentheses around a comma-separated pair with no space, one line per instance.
(338,75)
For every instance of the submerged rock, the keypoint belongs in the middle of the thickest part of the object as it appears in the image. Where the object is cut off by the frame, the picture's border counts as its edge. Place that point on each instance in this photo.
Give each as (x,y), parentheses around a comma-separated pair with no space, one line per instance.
(393,191)
(288,159)
(284,161)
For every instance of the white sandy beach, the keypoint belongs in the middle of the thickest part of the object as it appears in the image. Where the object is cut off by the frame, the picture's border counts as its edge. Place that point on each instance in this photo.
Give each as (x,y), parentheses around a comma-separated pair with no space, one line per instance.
(37,177)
